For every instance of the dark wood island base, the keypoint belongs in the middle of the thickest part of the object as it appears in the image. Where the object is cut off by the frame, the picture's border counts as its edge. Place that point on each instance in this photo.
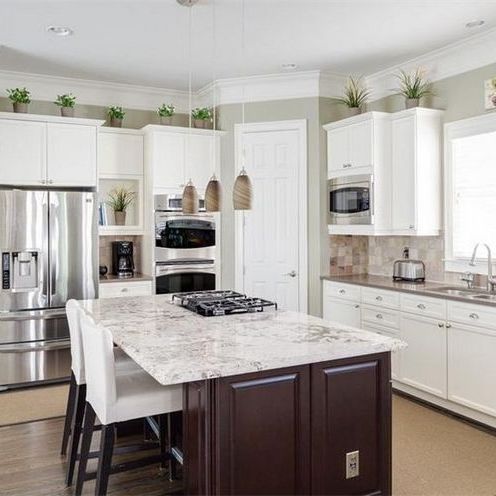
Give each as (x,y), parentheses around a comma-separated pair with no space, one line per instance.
(288,431)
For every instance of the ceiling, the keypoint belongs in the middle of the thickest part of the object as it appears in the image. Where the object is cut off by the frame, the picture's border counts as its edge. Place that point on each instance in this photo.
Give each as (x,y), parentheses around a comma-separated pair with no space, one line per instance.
(145,42)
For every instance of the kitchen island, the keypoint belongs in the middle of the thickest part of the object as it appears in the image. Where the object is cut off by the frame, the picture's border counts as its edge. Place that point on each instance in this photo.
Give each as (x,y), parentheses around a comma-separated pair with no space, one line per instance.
(274,402)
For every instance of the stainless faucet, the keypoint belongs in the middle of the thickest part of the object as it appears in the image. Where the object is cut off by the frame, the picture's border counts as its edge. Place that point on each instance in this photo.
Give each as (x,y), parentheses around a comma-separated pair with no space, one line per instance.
(491,281)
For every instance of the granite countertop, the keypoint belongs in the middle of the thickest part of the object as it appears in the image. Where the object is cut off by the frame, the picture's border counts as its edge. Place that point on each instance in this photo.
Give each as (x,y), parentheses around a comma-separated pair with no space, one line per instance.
(136,278)
(175,345)
(427,288)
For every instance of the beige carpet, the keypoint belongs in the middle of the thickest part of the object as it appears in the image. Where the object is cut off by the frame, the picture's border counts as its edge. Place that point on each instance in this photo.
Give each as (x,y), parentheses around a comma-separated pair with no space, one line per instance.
(33,404)
(434,454)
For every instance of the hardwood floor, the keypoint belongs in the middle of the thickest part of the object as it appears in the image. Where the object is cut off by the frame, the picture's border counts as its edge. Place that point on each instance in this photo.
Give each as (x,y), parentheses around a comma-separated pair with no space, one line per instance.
(32,466)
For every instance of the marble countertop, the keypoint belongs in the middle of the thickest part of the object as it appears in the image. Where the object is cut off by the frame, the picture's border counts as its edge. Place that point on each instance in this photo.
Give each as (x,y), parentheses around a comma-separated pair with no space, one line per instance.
(427,288)
(137,277)
(175,345)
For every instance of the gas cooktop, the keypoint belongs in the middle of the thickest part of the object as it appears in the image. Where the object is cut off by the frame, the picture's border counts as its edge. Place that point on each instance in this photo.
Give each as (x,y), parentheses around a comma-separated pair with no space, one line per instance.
(221,302)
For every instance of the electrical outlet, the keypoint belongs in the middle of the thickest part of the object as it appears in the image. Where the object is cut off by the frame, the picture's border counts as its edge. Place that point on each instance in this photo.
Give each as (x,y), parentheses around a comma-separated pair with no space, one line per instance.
(352,464)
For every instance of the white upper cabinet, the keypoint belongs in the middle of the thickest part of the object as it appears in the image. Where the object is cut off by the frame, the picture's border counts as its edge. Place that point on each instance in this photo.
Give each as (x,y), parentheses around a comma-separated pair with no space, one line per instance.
(416,172)
(47,150)
(362,144)
(22,152)
(120,152)
(174,155)
(71,155)
(338,149)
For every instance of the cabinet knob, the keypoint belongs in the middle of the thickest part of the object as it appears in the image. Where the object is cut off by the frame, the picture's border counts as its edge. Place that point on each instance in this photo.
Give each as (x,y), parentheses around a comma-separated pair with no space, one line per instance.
(411,226)
(440,325)
(448,326)
(50,181)
(379,316)
(474,316)
(356,306)
(421,306)
(342,291)
(124,290)
(42,181)
(378,298)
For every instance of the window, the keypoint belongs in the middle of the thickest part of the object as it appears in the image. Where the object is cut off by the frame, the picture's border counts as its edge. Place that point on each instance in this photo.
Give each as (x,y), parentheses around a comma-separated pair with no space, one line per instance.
(470,189)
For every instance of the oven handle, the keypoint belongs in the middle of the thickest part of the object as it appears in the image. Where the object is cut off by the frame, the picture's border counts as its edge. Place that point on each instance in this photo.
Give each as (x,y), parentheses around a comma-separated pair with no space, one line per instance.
(60,344)
(161,270)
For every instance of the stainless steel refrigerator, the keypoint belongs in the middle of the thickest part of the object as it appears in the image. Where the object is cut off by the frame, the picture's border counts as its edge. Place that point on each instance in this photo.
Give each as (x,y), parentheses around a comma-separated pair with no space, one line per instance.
(48,245)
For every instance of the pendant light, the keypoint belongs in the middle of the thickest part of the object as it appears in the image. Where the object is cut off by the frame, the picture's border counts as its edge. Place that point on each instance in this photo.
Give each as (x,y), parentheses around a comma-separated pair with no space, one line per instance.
(190,195)
(213,192)
(242,190)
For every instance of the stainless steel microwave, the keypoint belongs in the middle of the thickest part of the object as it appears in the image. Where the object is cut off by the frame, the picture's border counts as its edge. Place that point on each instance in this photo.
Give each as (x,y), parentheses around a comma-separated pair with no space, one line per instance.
(351,200)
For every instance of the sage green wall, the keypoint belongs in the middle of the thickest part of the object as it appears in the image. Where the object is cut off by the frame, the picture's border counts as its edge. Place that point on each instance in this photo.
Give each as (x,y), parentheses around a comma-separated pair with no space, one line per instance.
(134,119)
(316,111)
(461,96)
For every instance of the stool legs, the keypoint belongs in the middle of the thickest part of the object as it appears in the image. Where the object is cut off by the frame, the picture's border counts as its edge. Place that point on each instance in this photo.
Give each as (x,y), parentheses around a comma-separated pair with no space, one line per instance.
(77,421)
(68,415)
(105,459)
(89,423)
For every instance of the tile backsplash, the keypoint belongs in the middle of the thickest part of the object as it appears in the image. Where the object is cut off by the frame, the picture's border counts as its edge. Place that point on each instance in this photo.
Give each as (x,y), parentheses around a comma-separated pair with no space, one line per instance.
(349,255)
(105,250)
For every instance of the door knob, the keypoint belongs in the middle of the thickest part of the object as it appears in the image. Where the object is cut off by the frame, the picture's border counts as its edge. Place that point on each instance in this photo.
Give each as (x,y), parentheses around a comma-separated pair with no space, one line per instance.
(292,273)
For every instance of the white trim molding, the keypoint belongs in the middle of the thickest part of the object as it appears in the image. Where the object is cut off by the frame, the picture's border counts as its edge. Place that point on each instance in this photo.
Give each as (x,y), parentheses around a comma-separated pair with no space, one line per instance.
(91,92)
(456,58)
(299,125)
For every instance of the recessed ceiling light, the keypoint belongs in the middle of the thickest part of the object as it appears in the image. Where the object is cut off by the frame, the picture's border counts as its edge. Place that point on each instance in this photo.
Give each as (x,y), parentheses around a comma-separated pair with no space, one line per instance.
(288,67)
(60,30)
(476,23)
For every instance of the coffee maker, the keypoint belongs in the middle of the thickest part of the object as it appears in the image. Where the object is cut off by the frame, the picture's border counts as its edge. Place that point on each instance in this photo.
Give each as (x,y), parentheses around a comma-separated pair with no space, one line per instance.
(122,258)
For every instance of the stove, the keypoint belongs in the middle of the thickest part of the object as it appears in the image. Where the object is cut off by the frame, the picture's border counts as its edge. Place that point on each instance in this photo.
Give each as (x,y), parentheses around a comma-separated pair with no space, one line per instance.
(219,302)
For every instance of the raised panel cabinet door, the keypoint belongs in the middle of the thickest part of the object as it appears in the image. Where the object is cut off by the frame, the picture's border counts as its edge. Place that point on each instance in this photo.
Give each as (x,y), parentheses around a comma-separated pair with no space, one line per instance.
(472,367)
(199,166)
(362,144)
(71,155)
(22,153)
(338,148)
(351,412)
(168,160)
(423,362)
(404,201)
(343,312)
(263,438)
(120,154)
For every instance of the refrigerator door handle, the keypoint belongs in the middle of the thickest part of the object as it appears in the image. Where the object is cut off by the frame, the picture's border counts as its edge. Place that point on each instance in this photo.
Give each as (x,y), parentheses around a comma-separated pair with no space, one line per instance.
(60,344)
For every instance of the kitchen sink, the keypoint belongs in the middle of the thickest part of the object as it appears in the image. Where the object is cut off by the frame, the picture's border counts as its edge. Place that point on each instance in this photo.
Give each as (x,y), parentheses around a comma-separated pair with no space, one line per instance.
(490,297)
(454,291)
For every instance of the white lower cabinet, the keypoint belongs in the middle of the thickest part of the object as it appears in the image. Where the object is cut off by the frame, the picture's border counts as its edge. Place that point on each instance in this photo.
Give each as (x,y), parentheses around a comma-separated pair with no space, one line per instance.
(343,311)
(472,367)
(122,289)
(423,362)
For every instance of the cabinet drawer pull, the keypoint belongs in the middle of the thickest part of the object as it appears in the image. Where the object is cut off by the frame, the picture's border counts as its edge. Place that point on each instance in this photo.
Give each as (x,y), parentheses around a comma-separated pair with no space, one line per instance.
(421,306)
(440,324)
(379,316)
(124,290)
(474,316)
(378,298)
(411,226)
(356,306)
(342,291)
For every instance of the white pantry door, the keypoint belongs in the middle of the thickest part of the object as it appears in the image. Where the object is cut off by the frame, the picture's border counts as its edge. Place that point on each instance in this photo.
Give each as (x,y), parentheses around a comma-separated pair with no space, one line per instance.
(271,232)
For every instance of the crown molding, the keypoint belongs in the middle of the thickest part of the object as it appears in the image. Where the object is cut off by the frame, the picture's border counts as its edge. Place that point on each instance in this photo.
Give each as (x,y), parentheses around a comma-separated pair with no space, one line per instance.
(91,92)
(456,58)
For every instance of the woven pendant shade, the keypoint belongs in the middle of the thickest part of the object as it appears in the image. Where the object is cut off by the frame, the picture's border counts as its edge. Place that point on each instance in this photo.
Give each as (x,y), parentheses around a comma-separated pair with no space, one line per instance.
(213,195)
(190,199)
(242,192)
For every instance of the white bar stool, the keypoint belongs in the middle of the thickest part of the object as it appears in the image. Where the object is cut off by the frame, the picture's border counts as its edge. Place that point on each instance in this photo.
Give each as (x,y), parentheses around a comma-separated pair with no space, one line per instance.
(77,389)
(113,398)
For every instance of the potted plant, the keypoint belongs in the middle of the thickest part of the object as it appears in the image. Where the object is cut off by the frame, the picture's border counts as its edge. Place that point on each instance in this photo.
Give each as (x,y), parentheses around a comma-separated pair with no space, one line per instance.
(119,199)
(66,103)
(20,98)
(355,95)
(413,87)
(202,117)
(165,112)
(116,115)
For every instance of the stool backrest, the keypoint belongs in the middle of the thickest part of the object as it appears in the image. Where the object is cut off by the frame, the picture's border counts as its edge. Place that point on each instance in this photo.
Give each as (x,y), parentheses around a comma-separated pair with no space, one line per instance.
(99,364)
(73,310)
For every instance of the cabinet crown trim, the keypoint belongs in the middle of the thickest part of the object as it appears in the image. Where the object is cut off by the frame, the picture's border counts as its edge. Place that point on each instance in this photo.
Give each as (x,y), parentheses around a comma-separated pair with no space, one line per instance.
(356,119)
(51,119)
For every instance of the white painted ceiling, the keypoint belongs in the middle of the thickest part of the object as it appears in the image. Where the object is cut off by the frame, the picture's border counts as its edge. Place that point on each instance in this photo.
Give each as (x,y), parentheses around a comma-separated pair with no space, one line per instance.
(144,42)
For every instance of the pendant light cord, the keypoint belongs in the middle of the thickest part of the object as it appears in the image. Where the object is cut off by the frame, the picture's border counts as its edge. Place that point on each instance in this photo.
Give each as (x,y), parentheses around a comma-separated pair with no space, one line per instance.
(243,58)
(214,89)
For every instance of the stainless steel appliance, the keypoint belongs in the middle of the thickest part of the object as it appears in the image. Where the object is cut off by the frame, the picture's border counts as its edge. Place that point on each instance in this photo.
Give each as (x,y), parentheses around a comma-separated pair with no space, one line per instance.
(351,199)
(48,246)
(122,258)
(406,269)
(184,275)
(174,203)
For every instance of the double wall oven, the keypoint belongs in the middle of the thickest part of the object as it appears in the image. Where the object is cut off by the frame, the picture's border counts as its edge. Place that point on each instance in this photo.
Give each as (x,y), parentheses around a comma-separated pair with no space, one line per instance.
(185,247)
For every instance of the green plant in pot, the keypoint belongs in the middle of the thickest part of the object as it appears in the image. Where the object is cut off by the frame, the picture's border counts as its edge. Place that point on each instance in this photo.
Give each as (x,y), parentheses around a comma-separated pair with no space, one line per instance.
(413,87)
(165,112)
(355,95)
(116,115)
(119,200)
(20,98)
(202,117)
(66,103)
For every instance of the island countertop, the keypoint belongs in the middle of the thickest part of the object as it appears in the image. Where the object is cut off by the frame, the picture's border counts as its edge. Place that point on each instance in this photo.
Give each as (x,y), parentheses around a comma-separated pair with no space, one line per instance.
(176,346)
